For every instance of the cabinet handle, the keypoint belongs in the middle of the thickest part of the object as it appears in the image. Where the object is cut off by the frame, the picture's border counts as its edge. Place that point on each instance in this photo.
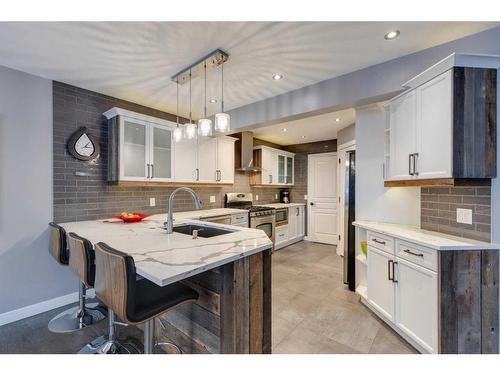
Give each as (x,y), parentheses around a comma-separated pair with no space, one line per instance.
(415,156)
(297,213)
(410,164)
(377,241)
(389,266)
(152,171)
(197,174)
(270,178)
(394,272)
(148,171)
(408,251)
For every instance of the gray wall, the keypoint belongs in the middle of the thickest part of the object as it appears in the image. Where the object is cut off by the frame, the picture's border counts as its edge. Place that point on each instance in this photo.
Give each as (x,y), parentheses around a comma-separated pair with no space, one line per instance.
(373,200)
(346,135)
(91,197)
(369,85)
(28,274)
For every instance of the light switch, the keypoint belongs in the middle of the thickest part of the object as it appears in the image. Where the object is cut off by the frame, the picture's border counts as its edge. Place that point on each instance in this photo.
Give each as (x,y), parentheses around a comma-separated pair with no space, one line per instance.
(256,197)
(212,199)
(464,216)
(305,197)
(275,196)
(152,202)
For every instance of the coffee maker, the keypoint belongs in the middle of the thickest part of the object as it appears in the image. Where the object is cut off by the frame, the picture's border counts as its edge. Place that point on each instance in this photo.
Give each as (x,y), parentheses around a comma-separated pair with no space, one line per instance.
(284,196)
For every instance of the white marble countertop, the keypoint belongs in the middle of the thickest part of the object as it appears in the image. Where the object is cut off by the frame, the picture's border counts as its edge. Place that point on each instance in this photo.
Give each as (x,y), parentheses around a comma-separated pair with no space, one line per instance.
(282,205)
(166,258)
(433,240)
(200,214)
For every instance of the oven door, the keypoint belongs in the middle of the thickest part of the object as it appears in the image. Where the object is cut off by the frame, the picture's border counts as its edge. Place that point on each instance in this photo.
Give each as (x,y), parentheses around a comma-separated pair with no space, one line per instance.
(265,223)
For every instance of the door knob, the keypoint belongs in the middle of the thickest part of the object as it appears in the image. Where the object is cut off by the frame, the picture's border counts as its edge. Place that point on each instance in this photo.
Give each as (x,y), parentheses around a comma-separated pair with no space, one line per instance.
(312,203)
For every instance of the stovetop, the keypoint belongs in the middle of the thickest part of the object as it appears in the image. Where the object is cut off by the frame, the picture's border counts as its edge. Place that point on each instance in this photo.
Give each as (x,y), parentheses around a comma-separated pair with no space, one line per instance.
(245,201)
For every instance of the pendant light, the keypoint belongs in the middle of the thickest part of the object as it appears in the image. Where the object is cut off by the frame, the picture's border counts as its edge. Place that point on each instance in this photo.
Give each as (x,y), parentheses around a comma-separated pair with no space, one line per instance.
(190,128)
(178,129)
(205,124)
(222,120)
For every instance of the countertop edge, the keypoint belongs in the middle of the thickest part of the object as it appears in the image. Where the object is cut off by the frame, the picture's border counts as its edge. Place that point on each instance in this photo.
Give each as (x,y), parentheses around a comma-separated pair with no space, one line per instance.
(478,246)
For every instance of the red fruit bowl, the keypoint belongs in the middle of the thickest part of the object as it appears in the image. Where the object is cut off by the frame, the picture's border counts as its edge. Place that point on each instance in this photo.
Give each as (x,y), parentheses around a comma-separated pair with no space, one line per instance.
(132,217)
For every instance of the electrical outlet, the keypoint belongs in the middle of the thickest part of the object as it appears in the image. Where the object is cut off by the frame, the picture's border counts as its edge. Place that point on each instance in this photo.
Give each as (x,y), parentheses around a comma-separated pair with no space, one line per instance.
(464,216)
(256,197)
(305,197)
(152,202)
(212,199)
(275,196)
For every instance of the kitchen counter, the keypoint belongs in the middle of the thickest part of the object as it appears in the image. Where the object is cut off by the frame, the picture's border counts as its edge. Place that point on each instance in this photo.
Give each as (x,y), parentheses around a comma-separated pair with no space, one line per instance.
(433,240)
(282,205)
(230,272)
(164,258)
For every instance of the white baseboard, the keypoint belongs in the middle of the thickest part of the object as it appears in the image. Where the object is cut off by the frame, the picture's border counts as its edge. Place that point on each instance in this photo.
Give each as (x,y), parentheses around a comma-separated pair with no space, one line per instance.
(37,308)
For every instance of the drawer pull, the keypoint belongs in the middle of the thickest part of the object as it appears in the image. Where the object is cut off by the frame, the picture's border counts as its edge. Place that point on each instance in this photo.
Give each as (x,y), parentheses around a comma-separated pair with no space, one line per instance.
(407,251)
(377,241)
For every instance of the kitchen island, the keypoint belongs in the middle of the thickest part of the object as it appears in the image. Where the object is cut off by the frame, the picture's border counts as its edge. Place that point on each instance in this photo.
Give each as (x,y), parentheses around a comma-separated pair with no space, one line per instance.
(231,273)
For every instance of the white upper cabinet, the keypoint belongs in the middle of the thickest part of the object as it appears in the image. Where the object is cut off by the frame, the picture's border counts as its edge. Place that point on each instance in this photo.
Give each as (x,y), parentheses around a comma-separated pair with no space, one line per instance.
(225,160)
(216,160)
(141,148)
(186,160)
(421,131)
(277,166)
(403,123)
(435,128)
(207,160)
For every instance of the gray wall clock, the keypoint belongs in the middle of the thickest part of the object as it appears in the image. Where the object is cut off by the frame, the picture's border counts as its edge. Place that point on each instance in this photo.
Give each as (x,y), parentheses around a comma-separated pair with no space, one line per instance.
(83,146)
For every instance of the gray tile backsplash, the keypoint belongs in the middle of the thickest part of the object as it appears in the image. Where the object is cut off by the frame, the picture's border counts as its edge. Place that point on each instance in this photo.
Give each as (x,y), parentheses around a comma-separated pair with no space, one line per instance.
(439,210)
(91,197)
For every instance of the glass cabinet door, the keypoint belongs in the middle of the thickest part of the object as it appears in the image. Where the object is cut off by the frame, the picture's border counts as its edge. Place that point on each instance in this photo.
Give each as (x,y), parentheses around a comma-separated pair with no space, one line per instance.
(289,170)
(161,152)
(281,169)
(134,150)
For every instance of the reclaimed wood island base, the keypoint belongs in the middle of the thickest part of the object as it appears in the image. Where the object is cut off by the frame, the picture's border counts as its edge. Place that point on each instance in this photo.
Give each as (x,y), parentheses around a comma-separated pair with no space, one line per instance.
(232,315)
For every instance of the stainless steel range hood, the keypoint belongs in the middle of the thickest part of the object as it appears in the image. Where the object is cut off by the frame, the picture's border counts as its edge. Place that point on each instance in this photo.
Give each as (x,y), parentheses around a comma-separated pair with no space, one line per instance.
(247,153)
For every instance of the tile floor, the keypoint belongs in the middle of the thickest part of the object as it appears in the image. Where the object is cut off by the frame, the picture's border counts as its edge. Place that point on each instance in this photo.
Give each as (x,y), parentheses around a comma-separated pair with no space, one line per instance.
(312,313)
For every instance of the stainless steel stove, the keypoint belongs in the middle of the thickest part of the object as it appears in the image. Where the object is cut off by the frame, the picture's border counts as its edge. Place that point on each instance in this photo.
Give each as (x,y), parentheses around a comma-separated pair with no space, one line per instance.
(261,217)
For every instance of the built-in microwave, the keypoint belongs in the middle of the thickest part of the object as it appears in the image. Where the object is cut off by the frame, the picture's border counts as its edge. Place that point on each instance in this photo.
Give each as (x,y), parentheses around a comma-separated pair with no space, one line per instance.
(281,216)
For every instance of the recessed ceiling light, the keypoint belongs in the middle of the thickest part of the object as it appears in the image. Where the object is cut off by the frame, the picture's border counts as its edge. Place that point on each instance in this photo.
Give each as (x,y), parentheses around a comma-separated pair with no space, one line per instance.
(391,35)
(277,77)
(213,100)
(337,120)
(303,136)
(285,129)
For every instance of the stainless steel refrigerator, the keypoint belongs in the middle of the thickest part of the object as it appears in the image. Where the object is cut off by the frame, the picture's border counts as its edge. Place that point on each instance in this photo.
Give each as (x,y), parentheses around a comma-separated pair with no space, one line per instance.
(349,217)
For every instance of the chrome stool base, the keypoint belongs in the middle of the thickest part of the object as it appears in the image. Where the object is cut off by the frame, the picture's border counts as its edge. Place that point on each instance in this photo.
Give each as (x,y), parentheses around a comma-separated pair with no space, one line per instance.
(102,345)
(73,320)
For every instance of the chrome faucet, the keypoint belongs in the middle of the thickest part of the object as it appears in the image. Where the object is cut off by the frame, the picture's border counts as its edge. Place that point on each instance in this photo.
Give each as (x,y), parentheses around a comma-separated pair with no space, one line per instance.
(169,224)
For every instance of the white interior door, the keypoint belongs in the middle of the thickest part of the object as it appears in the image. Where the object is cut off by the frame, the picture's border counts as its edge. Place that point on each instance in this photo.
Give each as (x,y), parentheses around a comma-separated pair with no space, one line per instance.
(322,198)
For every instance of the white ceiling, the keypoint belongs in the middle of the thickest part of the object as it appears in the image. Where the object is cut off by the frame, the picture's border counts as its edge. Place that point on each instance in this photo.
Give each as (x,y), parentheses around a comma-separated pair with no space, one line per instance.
(316,128)
(134,61)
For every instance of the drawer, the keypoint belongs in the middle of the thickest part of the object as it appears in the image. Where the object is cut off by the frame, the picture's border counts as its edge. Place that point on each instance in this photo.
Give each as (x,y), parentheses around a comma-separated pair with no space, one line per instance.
(380,241)
(281,234)
(423,256)
(237,219)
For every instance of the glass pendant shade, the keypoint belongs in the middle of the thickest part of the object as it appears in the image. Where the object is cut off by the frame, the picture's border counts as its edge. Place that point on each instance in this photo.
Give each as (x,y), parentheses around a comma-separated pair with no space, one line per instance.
(178,134)
(222,122)
(190,130)
(205,127)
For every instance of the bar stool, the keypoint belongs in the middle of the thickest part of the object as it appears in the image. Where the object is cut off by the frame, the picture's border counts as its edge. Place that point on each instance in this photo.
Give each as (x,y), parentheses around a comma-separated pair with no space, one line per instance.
(133,301)
(83,315)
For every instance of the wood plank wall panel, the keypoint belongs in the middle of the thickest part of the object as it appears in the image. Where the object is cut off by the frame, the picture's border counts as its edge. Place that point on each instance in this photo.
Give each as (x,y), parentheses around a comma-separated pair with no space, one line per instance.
(490,301)
(468,302)
(256,303)
(474,122)
(267,302)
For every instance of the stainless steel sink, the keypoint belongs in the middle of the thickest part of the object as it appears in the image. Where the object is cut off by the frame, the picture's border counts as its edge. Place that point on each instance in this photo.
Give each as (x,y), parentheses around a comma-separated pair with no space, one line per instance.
(203,231)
